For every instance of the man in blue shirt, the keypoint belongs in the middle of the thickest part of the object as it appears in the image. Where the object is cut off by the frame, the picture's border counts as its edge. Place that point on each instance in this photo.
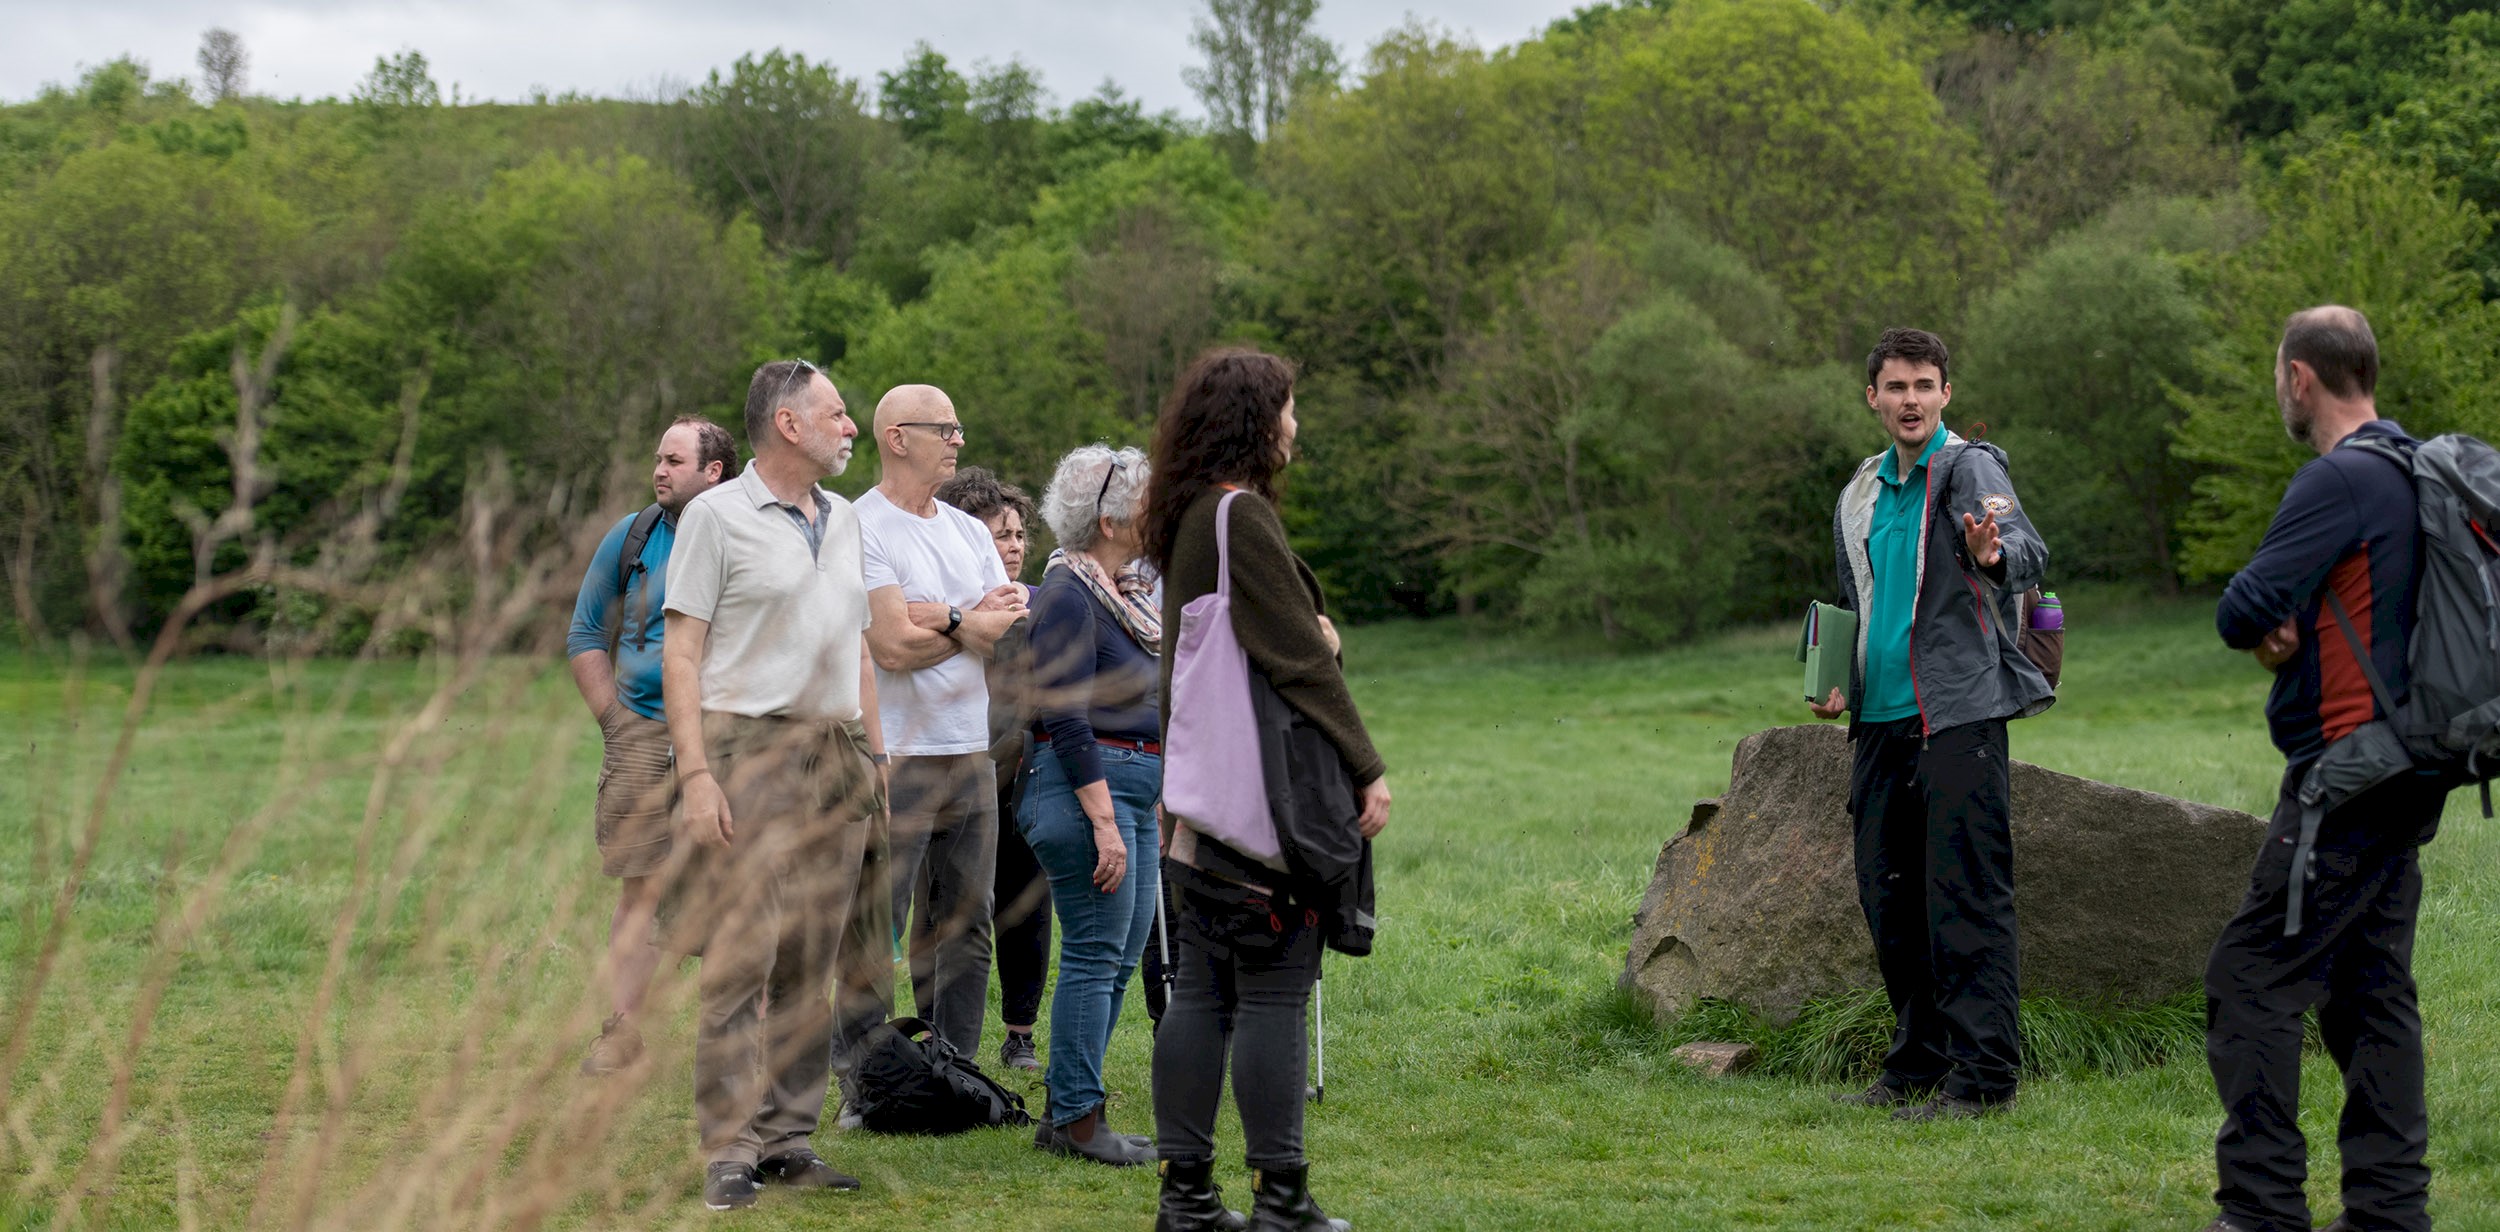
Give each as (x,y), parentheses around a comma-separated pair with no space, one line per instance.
(1934,552)
(2346,530)
(614,646)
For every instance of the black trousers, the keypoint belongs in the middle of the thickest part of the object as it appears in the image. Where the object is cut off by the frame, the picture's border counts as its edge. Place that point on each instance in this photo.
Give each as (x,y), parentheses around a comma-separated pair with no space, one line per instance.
(1936,879)
(1242,973)
(2353,961)
(1022,895)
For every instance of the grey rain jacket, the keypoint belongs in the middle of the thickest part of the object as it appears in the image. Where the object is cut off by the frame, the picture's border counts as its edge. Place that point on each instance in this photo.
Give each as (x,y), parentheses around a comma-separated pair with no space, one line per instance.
(1966,664)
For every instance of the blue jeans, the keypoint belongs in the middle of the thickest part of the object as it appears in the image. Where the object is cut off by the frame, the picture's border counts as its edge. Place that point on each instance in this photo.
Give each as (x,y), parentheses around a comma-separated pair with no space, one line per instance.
(1101,936)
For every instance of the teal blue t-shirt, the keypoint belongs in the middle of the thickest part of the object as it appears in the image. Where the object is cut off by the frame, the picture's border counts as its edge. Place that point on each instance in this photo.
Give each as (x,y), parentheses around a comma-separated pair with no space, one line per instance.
(1892,556)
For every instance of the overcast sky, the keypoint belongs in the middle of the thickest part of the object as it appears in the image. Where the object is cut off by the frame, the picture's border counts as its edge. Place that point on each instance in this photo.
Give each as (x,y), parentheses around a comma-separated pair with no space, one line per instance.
(500,49)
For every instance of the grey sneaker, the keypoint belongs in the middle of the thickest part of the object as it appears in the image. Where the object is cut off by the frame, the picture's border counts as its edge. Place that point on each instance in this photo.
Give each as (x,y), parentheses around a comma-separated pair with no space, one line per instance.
(1016,1052)
(618,1046)
(728,1187)
(849,1118)
(1104,1147)
(801,1169)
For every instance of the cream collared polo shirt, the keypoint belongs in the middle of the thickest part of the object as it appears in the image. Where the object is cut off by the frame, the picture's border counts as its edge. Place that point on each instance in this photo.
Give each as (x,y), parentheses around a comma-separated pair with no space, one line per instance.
(787,623)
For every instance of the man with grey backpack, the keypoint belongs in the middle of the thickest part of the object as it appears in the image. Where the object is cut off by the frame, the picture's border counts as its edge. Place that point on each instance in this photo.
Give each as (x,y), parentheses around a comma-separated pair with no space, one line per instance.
(2371,598)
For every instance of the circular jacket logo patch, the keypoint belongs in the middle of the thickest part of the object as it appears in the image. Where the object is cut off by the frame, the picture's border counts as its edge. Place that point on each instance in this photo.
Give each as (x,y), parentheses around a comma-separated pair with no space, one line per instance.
(1997,503)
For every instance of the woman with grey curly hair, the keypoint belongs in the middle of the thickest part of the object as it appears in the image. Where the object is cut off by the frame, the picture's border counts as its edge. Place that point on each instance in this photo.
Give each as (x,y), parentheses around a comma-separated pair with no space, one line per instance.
(1086,804)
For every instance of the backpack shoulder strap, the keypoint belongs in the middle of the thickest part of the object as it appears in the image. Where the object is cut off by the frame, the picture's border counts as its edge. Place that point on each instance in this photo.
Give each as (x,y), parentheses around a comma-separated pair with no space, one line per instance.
(2361,654)
(629,563)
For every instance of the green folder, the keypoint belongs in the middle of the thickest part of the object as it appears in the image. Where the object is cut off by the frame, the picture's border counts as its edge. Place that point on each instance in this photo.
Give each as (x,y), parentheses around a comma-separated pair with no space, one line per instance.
(1828,646)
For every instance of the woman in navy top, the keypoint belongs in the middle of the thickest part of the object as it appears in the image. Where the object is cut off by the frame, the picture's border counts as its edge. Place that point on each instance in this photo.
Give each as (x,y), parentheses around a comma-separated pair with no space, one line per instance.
(1087,803)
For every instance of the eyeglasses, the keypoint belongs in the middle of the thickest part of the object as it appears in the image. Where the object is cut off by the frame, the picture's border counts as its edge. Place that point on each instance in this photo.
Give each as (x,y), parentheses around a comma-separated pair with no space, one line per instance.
(945,431)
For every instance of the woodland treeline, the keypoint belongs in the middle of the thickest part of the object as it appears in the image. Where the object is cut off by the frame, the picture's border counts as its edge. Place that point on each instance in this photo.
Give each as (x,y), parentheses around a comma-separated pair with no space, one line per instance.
(1580,318)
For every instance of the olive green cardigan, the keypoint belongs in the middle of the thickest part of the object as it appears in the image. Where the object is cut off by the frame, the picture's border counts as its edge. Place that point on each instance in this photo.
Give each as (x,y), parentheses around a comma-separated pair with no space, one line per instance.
(1276,610)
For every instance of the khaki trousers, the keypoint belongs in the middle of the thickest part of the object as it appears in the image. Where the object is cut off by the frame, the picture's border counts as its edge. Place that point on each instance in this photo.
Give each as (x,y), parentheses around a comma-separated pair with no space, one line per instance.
(772,916)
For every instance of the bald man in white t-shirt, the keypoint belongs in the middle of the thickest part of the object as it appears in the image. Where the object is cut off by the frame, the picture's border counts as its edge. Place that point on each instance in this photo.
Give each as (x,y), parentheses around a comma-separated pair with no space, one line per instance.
(938,601)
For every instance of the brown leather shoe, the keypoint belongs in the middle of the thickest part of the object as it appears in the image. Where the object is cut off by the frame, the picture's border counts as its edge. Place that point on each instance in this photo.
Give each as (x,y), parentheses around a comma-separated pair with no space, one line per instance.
(618,1046)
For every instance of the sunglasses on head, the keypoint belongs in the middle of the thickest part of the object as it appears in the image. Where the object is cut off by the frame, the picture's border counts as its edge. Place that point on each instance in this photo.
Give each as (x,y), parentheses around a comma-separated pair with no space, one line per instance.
(1107,472)
(797,366)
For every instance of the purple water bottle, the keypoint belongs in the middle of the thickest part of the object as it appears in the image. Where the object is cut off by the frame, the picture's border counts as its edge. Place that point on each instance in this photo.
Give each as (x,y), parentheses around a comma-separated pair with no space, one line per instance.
(2048,613)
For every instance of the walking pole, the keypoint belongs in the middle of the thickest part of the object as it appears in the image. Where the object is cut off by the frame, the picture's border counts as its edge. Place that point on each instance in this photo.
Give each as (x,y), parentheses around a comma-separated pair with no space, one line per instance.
(1319,1018)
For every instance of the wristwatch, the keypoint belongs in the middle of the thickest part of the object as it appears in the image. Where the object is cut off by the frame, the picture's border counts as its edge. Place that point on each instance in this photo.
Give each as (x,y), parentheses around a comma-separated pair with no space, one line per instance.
(954,620)
(879,759)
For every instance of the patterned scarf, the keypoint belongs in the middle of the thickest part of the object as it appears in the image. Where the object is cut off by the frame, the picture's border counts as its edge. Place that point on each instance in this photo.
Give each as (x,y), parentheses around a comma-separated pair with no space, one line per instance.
(1130,597)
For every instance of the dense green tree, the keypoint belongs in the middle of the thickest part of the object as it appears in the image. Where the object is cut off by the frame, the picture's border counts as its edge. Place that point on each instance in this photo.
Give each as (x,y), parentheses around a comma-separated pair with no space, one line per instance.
(1403,205)
(2346,226)
(2341,62)
(1259,54)
(579,305)
(790,142)
(926,97)
(1788,134)
(2074,362)
(2067,128)
(1585,445)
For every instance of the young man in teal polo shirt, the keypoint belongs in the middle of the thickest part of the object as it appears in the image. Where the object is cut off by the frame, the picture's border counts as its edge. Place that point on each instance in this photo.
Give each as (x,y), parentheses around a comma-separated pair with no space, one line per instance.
(614,651)
(1934,552)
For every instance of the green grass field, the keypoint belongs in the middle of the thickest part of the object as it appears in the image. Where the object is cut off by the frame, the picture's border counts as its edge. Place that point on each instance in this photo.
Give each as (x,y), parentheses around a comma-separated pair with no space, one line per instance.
(330,963)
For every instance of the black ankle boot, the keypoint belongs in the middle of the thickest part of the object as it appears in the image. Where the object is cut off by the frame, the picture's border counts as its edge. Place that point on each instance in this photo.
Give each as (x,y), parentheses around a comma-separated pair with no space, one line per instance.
(1280,1201)
(1191,1202)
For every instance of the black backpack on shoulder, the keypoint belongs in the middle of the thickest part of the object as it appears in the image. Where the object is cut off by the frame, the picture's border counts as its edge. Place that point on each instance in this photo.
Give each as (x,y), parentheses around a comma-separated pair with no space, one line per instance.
(911,1082)
(629,620)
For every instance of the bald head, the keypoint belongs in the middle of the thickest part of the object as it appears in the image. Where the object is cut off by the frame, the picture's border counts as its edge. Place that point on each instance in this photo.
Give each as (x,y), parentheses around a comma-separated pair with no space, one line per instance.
(905,404)
(918,436)
(2326,375)
(2337,345)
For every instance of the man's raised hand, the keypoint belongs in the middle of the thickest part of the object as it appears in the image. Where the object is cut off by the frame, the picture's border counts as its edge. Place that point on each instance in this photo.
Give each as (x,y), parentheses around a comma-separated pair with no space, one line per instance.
(1985,542)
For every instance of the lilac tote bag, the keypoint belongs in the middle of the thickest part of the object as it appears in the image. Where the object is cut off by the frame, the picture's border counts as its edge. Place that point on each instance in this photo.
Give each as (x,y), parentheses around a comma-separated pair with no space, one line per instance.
(1212,779)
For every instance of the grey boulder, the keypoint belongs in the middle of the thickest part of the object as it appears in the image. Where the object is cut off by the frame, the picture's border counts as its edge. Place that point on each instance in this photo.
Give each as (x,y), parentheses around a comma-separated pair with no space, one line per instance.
(2118,893)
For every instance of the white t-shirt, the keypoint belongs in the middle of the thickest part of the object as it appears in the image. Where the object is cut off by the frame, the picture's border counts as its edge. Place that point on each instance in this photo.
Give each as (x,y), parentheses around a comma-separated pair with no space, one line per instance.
(786,624)
(944,558)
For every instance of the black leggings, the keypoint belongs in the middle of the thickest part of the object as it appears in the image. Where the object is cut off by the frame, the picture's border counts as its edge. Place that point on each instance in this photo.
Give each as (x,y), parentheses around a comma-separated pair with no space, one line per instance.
(1242,972)
(1023,905)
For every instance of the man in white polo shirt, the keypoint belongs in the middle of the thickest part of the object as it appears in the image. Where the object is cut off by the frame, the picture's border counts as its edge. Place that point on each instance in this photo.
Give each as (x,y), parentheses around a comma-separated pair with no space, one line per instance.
(772,708)
(939,600)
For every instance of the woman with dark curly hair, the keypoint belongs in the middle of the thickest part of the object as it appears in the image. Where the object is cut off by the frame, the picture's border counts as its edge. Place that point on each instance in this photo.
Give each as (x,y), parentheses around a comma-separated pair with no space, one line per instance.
(1247,955)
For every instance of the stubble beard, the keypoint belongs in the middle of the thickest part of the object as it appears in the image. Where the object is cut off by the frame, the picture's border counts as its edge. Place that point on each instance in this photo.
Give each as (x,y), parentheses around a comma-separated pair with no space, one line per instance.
(2298,421)
(825,450)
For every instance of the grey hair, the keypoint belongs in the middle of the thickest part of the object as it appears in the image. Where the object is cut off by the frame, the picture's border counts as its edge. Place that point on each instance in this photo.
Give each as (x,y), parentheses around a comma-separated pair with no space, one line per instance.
(1068,503)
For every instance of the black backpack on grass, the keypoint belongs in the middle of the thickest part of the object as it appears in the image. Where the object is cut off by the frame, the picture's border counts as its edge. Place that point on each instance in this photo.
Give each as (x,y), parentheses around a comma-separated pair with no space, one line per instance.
(2450,721)
(911,1082)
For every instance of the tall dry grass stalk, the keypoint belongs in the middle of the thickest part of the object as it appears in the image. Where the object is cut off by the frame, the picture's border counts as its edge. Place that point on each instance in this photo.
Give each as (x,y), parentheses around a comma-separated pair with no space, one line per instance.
(428,1054)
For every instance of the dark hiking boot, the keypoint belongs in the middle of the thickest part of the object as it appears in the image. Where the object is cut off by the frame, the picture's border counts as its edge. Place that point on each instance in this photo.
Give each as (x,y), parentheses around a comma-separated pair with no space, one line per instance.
(1954,1108)
(801,1169)
(1016,1052)
(1280,1201)
(1088,1138)
(1879,1094)
(728,1187)
(2343,1223)
(1191,1202)
(618,1046)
